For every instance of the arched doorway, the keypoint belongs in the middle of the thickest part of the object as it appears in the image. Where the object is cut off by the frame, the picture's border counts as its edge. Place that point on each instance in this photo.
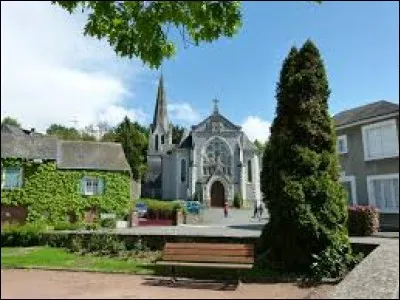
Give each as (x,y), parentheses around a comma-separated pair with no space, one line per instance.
(217,194)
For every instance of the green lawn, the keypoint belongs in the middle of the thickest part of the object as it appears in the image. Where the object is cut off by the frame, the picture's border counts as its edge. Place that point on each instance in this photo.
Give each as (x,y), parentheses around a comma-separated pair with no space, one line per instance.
(46,257)
(59,258)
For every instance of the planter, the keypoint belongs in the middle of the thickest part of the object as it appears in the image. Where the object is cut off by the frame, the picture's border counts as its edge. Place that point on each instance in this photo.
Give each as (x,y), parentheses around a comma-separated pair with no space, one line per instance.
(122,224)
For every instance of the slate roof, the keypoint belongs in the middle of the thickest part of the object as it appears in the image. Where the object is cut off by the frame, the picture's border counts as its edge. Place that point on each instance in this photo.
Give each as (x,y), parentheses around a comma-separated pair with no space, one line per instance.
(68,154)
(91,155)
(29,147)
(216,116)
(247,144)
(375,109)
(186,142)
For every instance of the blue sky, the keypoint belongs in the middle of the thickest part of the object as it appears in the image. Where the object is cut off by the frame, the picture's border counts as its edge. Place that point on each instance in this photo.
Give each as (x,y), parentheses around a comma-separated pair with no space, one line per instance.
(359,42)
(81,79)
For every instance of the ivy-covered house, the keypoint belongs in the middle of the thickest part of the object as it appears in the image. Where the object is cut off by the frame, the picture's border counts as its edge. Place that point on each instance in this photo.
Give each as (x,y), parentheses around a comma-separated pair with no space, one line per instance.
(48,178)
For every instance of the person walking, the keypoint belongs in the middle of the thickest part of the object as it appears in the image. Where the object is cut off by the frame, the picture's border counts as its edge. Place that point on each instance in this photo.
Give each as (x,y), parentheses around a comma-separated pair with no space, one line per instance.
(260,211)
(225,209)
(255,210)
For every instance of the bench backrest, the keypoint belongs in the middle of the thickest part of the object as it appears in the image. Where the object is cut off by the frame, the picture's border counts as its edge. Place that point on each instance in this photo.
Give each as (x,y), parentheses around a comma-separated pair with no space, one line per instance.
(209,252)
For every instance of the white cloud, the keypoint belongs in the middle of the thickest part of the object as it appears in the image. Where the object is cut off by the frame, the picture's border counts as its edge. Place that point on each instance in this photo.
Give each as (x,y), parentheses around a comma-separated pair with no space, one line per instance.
(51,73)
(256,128)
(183,113)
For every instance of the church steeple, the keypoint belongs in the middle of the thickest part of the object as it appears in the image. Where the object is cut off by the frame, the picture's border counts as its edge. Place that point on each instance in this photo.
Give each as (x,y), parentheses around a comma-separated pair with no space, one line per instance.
(160,113)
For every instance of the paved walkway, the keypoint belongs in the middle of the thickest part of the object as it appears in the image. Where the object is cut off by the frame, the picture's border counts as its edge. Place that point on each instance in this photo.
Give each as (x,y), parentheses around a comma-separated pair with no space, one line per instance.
(36,284)
(215,216)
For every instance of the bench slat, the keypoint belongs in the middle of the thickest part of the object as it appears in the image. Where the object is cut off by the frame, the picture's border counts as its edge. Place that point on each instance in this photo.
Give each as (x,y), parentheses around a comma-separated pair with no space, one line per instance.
(219,252)
(209,258)
(208,246)
(209,265)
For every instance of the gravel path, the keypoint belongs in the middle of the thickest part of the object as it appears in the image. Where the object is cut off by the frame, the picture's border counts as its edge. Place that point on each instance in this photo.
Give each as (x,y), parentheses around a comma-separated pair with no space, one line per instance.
(38,284)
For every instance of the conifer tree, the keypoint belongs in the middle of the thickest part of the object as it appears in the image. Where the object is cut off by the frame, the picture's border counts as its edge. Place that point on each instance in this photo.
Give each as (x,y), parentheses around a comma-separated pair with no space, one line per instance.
(306,203)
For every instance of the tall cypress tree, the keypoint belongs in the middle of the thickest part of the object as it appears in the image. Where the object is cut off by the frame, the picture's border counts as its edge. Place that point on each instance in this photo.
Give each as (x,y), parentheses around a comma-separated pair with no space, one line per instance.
(307,205)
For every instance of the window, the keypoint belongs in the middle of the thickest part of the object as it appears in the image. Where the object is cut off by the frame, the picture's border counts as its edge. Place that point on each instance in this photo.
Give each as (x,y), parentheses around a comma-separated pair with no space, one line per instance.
(383,192)
(342,144)
(349,184)
(11,178)
(183,170)
(249,171)
(156,142)
(92,186)
(217,153)
(380,140)
(162,139)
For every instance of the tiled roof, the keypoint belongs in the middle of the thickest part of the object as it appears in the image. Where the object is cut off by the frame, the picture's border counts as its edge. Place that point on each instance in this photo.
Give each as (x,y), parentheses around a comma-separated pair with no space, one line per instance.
(379,108)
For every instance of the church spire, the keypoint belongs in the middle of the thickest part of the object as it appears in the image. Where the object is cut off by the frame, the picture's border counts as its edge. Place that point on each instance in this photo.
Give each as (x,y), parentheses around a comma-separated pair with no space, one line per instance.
(160,112)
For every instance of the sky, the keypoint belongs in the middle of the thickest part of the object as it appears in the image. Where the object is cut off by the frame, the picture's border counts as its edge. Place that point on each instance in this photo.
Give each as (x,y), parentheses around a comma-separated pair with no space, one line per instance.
(51,73)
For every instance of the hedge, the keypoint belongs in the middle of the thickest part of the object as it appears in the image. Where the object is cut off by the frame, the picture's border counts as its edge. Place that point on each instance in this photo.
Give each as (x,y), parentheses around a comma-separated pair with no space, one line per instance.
(161,209)
(362,220)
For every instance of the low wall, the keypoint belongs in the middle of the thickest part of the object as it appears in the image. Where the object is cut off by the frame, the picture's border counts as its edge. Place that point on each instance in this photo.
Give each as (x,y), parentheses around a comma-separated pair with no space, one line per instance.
(377,275)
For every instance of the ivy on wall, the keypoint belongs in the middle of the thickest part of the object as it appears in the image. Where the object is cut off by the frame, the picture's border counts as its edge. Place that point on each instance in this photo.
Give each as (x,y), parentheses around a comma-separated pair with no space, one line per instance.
(51,194)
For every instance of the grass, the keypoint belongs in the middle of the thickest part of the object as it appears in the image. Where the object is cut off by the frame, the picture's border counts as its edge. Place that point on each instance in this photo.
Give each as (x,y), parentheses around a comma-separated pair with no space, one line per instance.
(59,258)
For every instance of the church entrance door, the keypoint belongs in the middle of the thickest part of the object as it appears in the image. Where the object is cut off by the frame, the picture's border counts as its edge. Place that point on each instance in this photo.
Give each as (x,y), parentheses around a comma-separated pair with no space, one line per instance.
(217,194)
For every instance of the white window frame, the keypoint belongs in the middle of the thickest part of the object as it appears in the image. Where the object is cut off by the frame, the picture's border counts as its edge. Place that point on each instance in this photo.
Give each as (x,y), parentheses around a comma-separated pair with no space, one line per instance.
(92,192)
(364,129)
(370,187)
(344,139)
(352,180)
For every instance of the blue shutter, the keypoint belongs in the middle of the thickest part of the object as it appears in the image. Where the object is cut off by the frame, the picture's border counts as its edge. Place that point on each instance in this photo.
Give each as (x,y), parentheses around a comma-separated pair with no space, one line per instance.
(100,186)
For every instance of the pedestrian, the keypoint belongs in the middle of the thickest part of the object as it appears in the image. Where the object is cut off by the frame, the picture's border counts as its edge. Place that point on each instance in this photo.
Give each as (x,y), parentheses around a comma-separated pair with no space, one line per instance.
(255,210)
(225,209)
(260,210)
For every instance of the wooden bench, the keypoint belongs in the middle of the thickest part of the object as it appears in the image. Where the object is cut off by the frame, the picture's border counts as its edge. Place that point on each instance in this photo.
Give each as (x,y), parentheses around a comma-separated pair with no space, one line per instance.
(212,255)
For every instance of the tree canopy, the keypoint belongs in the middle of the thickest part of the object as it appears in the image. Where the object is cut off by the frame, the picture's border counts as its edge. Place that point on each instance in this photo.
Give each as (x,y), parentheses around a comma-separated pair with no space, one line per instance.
(10,121)
(144,28)
(63,132)
(134,142)
(141,28)
(177,133)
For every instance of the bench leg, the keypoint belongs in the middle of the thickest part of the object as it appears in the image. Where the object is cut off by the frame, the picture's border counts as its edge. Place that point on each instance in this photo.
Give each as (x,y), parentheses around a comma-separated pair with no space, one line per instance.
(173,278)
(238,273)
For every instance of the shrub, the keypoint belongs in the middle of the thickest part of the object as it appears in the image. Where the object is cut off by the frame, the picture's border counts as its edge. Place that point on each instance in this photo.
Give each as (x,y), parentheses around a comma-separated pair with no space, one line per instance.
(65,225)
(30,234)
(363,220)
(162,209)
(237,200)
(100,244)
(92,226)
(108,223)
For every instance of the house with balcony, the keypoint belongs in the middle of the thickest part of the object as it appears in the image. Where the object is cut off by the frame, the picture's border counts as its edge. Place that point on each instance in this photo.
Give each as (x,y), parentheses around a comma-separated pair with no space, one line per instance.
(368,146)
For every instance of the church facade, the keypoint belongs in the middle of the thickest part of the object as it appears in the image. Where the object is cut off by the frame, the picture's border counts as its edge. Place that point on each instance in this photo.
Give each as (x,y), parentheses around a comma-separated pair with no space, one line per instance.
(213,161)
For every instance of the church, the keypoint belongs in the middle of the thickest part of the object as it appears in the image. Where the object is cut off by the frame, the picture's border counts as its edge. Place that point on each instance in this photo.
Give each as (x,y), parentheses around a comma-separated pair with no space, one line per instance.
(212,163)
